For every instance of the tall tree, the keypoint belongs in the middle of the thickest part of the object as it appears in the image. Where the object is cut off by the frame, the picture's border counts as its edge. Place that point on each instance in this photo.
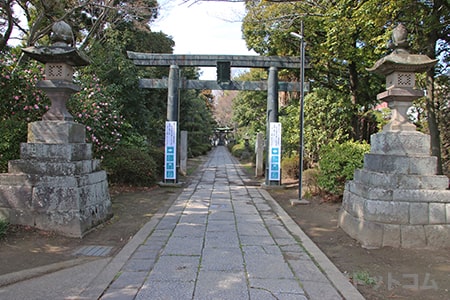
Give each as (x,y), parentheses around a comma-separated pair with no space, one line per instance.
(338,44)
(88,18)
(346,36)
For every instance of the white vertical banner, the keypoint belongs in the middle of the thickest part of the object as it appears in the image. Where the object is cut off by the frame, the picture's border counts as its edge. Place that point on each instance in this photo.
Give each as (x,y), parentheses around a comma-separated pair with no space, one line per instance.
(170,157)
(275,151)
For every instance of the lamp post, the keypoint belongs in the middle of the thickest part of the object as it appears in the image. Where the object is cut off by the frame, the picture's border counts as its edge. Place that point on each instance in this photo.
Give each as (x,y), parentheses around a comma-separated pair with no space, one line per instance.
(302,96)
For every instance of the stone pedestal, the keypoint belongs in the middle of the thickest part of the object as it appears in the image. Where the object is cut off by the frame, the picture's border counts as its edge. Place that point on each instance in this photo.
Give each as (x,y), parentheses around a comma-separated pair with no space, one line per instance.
(397,200)
(56,185)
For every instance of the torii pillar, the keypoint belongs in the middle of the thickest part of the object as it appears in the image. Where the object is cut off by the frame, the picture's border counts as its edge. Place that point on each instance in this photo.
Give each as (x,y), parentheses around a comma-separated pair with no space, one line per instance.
(273,131)
(171,136)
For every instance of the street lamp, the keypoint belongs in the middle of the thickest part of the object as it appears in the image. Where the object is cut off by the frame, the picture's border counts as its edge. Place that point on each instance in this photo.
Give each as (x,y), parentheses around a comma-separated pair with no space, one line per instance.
(302,115)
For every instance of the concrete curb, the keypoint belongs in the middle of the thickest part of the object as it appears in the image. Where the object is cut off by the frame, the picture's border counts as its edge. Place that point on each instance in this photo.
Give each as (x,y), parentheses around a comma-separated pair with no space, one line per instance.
(339,281)
(15,277)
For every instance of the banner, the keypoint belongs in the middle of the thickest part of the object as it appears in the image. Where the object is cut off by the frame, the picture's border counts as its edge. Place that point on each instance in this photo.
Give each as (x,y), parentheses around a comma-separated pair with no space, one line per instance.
(170,157)
(275,151)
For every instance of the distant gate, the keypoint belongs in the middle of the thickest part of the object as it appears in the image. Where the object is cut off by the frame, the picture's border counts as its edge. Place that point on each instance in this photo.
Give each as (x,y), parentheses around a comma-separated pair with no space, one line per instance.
(223,63)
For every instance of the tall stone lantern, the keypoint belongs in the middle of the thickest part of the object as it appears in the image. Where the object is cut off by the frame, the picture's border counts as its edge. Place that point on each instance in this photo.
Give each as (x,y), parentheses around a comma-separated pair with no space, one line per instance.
(397,199)
(56,185)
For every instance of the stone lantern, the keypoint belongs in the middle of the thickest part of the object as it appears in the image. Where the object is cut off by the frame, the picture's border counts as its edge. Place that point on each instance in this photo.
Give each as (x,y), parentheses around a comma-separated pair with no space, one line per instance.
(56,185)
(59,59)
(397,199)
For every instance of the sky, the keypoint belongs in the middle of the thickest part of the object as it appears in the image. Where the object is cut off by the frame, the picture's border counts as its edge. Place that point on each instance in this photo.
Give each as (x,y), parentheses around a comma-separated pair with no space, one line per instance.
(203,28)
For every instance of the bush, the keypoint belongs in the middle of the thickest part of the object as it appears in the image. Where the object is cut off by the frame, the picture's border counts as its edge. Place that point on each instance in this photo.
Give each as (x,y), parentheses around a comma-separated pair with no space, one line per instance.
(3,227)
(13,132)
(200,149)
(337,164)
(239,151)
(132,166)
(290,167)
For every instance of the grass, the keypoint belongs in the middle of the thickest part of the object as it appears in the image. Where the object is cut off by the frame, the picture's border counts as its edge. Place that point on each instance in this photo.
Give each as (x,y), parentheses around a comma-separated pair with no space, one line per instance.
(363,278)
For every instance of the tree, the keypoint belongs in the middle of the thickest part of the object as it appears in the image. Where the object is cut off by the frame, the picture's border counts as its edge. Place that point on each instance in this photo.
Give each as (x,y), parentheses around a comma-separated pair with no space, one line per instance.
(88,18)
(6,22)
(428,21)
(345,37)
(223,108)
(327,120)
(249,107)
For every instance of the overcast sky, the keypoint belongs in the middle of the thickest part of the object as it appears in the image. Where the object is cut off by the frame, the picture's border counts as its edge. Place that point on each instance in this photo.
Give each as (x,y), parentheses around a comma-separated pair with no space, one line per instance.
(203,28)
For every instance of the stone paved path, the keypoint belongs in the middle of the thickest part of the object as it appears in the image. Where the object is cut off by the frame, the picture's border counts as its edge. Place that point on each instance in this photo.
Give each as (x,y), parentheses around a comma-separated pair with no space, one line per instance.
(221,240)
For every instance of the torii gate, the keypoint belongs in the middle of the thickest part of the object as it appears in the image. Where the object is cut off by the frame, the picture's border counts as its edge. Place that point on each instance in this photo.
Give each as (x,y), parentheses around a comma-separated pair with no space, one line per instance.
(223,63)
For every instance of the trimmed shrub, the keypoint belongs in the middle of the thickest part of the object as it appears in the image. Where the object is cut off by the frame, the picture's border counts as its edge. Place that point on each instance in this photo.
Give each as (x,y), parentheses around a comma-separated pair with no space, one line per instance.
(290,167)
(200,149)
(13,132)
(237,150)
(3,227)
(337,164)
(132,166)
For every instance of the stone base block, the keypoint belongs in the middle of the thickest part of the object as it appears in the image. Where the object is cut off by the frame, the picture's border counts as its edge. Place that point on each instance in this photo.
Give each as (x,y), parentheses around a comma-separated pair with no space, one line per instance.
(417,219)
(373,235)
(411,165)
(55,152)
(403,181)
(66,197)
(48,168)
(369,234)
(68,205)
(56,132)
(401,143)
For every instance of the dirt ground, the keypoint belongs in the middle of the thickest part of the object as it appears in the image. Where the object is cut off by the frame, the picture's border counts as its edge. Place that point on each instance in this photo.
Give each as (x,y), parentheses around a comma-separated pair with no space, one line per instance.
(25,248)
(379,274)
(386,273)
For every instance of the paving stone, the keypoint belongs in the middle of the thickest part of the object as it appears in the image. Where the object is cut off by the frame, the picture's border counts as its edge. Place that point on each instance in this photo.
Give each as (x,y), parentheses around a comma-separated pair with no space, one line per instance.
(267,266)
(184,246)
(138,265)
(175,268)
(120,294)
(166,290)
(221,285)
(320,291)
(220,240)
(129,280)
(278,286)
(222,259)
(262,294)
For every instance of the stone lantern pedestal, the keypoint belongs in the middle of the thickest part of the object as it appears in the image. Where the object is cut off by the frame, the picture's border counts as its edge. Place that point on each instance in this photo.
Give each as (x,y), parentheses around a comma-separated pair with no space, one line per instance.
(397,199)
(56,185)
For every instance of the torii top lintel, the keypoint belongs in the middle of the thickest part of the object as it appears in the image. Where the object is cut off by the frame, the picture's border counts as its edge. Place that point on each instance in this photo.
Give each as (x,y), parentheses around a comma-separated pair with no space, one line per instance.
(194,60)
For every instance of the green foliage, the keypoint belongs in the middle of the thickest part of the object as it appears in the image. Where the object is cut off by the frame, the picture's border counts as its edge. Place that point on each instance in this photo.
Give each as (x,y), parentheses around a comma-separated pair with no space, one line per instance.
(18,93)
(198,150)
(96,108)
(20,103)
(132,166)
(3,227)
(337,164)
(197,119)
(363,278)
(13,132)
(327,120)
(249,108)
(290,166)
(238,149)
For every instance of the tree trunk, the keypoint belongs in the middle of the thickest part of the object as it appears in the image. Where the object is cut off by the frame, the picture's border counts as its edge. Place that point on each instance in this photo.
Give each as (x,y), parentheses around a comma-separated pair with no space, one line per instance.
(353,79)
(435,136)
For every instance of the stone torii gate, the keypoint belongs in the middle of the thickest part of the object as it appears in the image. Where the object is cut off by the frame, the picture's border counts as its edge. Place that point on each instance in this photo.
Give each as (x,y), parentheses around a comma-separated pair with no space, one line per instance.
(223,63)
